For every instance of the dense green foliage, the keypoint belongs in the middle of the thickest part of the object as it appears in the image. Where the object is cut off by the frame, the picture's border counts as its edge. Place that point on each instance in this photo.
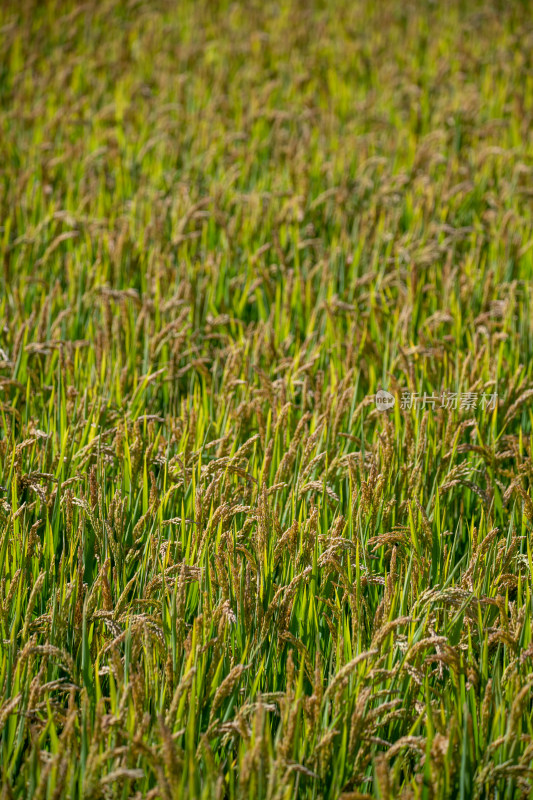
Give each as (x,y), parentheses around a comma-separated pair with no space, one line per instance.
(224,573)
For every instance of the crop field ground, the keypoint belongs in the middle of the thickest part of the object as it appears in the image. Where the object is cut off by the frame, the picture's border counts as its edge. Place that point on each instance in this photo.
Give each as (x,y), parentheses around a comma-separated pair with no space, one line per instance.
(225,572)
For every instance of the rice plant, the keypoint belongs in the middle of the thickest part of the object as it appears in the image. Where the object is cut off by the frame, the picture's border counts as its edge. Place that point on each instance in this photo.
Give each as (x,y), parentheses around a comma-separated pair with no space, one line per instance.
(226,571)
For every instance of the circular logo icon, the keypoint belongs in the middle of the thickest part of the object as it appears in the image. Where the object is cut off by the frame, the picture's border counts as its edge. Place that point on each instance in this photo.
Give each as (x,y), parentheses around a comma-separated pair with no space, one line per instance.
(384,400)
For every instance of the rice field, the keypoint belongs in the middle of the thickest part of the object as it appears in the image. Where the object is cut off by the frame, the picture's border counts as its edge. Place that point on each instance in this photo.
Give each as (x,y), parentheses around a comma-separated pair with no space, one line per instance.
(266,400)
